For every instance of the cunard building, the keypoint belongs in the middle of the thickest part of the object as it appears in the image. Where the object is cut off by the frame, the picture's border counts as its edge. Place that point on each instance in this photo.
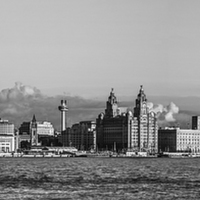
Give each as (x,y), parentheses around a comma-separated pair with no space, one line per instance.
(133,131)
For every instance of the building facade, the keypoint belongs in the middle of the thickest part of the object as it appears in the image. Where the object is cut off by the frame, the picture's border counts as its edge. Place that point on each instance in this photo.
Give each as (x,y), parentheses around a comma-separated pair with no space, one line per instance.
(7,136)
(81,136)
(112,127)
(178,140)
(132,131)
(145,127)
(196,122)
(34,132)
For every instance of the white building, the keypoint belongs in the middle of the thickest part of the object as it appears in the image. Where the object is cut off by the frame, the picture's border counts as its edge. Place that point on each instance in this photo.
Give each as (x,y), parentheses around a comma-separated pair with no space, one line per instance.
(144,135)
(173,140)
(45,128)
(7,136)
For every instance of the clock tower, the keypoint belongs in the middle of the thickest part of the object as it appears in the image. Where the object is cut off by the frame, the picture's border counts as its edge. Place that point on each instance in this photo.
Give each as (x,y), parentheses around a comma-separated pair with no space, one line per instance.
(146,123)
(34,135)
(111,106)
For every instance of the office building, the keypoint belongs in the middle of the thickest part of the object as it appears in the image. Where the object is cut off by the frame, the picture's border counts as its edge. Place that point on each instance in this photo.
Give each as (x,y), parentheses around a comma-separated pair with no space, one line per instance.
(122,131)
(7,136)
(178,140)
(81,136)
(112,127)
(35,132)
(145,127)
(196,122)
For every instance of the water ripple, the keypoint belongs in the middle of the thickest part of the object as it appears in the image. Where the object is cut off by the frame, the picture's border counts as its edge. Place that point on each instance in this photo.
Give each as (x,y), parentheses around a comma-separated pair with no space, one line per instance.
(99,178)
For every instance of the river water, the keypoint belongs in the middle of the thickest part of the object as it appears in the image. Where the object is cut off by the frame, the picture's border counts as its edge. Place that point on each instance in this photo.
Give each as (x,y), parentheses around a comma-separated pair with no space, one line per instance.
(99,178)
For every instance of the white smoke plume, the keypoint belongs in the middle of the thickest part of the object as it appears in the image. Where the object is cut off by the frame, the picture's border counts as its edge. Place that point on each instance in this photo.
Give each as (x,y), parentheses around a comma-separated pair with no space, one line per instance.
(165,112)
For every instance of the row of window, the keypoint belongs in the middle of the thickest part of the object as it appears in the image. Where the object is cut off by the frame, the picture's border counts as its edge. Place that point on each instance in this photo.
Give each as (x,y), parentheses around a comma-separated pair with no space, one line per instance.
(2,144)
(5,149)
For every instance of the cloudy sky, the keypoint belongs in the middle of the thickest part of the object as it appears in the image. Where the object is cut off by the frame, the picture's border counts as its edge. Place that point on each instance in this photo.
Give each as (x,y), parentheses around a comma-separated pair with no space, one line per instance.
(86,47)
(81,49)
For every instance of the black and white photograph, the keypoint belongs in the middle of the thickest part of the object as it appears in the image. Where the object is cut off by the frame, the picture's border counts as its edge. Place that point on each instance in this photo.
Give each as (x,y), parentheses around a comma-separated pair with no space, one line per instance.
(99,99)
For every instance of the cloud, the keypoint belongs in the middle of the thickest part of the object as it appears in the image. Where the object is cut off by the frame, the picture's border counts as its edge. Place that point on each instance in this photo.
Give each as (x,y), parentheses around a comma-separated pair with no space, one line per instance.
(165,114)
(19,92)
(19,103)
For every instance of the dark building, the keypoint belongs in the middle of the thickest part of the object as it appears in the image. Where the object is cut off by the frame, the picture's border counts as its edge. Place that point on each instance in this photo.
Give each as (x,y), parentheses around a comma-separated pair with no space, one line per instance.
(112,127)
(196,122)
(167,140)
(25,128)
(81,136)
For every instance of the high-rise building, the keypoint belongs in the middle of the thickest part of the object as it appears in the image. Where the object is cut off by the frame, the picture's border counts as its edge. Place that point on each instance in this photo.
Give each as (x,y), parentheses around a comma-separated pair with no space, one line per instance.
(120,131)
(81,135)
(112,127)
(7,136)
(178,140)
(145,128)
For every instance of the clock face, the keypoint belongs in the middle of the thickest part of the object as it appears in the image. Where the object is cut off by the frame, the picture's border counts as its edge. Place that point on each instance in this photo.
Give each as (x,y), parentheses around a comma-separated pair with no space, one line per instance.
(152,114)
(34,125)
(144,108)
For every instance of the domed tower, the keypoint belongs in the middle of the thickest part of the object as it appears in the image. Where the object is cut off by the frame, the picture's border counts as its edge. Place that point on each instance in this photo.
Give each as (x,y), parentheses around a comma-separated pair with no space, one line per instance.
(140,104)
(111,105)
(145,121)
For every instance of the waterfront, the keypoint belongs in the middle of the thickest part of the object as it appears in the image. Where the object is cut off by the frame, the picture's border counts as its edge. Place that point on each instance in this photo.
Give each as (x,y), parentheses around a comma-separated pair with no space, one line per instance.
(99,178)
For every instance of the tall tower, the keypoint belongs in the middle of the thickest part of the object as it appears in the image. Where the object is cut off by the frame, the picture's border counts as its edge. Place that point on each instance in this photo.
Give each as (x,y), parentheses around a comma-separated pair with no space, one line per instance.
(141,104)
(111,105)
(63,109)
(34,135)
(146,123)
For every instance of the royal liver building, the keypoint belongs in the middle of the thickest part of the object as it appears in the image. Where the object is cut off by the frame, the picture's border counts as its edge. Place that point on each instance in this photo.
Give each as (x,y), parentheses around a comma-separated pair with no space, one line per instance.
(130,130)
(144,133)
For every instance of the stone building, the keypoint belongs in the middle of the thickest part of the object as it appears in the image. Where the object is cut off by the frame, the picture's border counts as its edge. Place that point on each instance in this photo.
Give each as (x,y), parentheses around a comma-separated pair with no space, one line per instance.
(8,141)
(145,127)
(132,131)
(35,133)
(112,127)
(81,135)
(178,140)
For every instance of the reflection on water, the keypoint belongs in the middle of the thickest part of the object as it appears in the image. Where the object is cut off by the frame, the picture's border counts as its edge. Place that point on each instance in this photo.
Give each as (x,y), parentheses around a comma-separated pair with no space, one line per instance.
(99,178)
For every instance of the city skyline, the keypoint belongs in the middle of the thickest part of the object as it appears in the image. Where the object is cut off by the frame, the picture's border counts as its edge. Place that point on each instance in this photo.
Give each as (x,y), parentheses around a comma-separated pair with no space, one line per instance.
(86,47)
(93,93)
(21,102)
